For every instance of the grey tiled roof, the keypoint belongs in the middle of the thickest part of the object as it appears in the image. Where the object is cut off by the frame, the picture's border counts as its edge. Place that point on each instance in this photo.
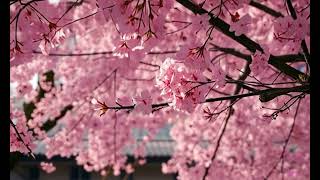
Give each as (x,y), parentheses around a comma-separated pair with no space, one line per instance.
(156,148)
(161,145)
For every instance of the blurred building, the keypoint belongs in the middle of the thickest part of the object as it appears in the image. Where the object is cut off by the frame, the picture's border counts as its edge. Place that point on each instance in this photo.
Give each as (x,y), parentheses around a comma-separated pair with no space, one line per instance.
(158,151)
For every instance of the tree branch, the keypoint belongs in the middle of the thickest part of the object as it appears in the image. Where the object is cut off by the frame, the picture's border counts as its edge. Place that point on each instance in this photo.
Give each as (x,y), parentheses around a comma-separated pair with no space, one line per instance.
(266,9)
(102,53)
(278,14)
(286,143)
(303,43)
(20,139)
(230,112)
(251,45)
(265,95)
(283,58)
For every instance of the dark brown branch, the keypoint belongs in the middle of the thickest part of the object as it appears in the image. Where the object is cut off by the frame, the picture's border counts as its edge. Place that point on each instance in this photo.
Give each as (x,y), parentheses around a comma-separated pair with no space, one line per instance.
(283,58)
(278,14)
(290,58)
(73,4)
(13,1)
(108,52)
(138,79)
(180,29)
(265,95)
(303,43)
(231,51)
(162,52)
(275,92)
(102,53)
(305,51)
(230,112)
(149,64)
(251,45)
(20,139)
(266,9)
(85,17)
(222,26)
(76,54)
(276,61)
(291,9)
(285,145)
(25,5)
(242,83)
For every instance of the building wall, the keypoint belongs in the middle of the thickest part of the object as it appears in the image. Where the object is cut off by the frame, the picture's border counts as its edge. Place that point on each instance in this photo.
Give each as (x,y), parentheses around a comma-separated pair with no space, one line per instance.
(64,171)
(151,172)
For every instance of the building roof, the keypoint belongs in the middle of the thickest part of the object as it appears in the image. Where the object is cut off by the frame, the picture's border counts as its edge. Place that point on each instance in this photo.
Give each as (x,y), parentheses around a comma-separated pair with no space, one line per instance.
(161,145)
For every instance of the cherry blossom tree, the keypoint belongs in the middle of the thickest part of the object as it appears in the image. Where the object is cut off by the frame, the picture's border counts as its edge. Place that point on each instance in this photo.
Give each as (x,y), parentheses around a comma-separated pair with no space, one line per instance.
(230,76)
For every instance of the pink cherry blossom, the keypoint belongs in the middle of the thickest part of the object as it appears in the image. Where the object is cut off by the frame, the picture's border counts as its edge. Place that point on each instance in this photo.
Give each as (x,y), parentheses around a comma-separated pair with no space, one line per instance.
(47,167)
(228,80)
(259,62)
(143,102)
(241,26)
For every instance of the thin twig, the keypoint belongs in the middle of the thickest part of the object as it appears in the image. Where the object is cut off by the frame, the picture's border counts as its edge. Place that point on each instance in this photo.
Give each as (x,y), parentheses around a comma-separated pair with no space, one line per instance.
(21,140)
(282,156)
